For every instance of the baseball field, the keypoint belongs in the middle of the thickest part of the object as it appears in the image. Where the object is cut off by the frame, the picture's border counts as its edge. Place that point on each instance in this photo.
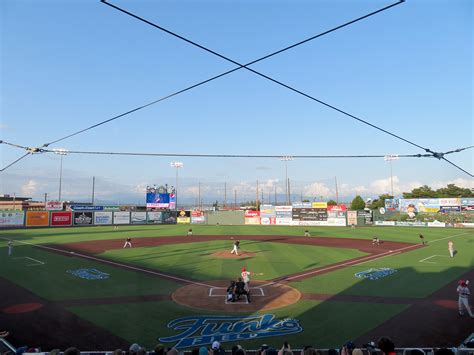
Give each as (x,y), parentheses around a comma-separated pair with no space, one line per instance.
(80,286)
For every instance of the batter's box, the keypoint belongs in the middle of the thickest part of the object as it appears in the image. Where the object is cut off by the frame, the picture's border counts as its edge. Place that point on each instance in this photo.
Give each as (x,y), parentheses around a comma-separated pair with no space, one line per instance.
(221,292)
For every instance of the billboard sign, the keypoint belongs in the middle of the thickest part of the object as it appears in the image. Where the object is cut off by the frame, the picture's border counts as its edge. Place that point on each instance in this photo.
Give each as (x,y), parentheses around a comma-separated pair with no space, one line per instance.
(9,218)
(184,217)
(154,217)
(310,214)
(169,217)
(392,204)
(352,218)
(102,218)
(121,217)
(37,219)
(160,197)
(61,219)
(138,217)
(197,217)
(53,206)
(301,205)
(319,205)
(83,218)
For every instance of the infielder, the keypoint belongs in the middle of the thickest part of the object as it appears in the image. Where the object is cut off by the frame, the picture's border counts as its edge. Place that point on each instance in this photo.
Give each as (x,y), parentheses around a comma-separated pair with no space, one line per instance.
(463,300)
(236,248)
(451,248)
(128,243)
(10,247)
(190,232)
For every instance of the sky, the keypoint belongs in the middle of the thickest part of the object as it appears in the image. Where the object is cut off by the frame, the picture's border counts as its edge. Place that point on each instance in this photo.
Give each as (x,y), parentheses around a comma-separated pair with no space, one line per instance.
(68,65)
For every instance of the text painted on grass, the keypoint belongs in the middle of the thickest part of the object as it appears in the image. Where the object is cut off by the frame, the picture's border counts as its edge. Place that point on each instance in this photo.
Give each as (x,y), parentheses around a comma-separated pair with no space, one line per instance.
(375,274)
(89,274)
(204,330)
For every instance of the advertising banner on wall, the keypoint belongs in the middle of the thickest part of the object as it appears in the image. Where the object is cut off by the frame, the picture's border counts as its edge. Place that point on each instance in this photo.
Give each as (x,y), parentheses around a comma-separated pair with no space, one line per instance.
(301,204)
(154,217)
(121,217)
(392,204)
(352,218)
(267,220)
(169,217)
(267,211)
(336,222)
(61,219)
(319,205)
(184,217)
(284,215)
(450,202)
(449,209)
(337,211)
(252,217)
(11,218)
(197,217)
(83,218)
(138,217)
(367,215)
(37,219)
(53,206)
(102,218)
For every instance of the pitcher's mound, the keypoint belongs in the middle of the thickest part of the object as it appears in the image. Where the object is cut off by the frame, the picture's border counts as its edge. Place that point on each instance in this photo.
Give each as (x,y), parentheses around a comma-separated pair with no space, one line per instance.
(263,296)
(228,255)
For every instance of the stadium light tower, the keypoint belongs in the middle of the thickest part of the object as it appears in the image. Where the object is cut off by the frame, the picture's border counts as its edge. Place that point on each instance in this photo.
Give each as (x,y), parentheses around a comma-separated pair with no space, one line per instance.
(286,159)
(391,158)
(62,153)
(176,165)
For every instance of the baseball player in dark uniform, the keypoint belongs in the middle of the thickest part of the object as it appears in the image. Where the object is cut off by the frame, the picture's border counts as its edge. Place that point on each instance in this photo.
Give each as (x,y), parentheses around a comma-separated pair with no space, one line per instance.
(236,248)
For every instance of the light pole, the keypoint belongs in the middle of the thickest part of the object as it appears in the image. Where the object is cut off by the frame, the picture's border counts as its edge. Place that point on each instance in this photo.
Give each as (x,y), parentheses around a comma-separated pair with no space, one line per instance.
(62,153)
(176,165)
(286,158)
(391,158)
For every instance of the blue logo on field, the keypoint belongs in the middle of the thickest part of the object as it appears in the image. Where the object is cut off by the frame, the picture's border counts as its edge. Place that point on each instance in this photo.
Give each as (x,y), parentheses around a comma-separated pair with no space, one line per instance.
(375,274)
(89,274)
(203,330)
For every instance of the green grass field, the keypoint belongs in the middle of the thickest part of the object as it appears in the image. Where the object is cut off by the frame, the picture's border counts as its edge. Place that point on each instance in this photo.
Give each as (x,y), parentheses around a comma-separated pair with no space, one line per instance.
(321,320)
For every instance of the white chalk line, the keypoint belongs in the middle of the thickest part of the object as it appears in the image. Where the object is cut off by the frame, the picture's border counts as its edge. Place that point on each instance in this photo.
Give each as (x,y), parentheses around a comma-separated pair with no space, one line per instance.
(114,263)
(432,256)
(355,262)
(359,261)
(37,262)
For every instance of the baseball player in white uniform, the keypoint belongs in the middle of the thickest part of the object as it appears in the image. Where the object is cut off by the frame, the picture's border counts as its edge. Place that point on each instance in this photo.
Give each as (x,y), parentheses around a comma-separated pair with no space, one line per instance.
(451,248)
(463,300)
(128,243)
(236,248)
(246,278)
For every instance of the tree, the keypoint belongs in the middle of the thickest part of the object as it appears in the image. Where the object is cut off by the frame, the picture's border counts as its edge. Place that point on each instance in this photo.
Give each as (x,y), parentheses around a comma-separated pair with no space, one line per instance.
(420,192)
(454,191)
(380,202)
(357,203)
(332,203)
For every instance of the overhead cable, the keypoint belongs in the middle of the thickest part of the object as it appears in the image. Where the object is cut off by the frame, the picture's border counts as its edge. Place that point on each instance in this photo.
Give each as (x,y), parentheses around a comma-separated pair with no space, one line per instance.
(214,77)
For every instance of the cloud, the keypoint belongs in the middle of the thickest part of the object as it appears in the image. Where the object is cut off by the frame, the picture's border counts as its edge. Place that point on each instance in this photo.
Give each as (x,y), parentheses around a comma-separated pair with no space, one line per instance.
(30,188)
(263,168)
(3,127)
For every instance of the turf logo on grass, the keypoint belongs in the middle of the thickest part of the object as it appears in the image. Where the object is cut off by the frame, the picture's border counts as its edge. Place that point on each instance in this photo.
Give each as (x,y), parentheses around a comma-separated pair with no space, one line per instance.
(89,274)
(204,330)
(375,274)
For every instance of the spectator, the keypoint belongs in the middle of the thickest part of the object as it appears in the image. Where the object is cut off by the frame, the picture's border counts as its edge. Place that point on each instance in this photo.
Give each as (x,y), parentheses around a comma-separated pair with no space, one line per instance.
(309,350)
(72,351)
(332,352)
(194,351)
(172,351)
(241,351)
(235,348)
(134,349)
(118,352)
(285,349)
(386,345)
(216,349)
(357,351)
(203,351)
(55,352)
(143,351)
(347,348)
(160,349)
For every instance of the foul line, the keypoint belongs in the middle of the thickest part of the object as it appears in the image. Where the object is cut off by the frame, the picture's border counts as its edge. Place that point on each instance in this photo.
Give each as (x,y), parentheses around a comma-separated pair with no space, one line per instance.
(27,257)
(358,261)
(113,263)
